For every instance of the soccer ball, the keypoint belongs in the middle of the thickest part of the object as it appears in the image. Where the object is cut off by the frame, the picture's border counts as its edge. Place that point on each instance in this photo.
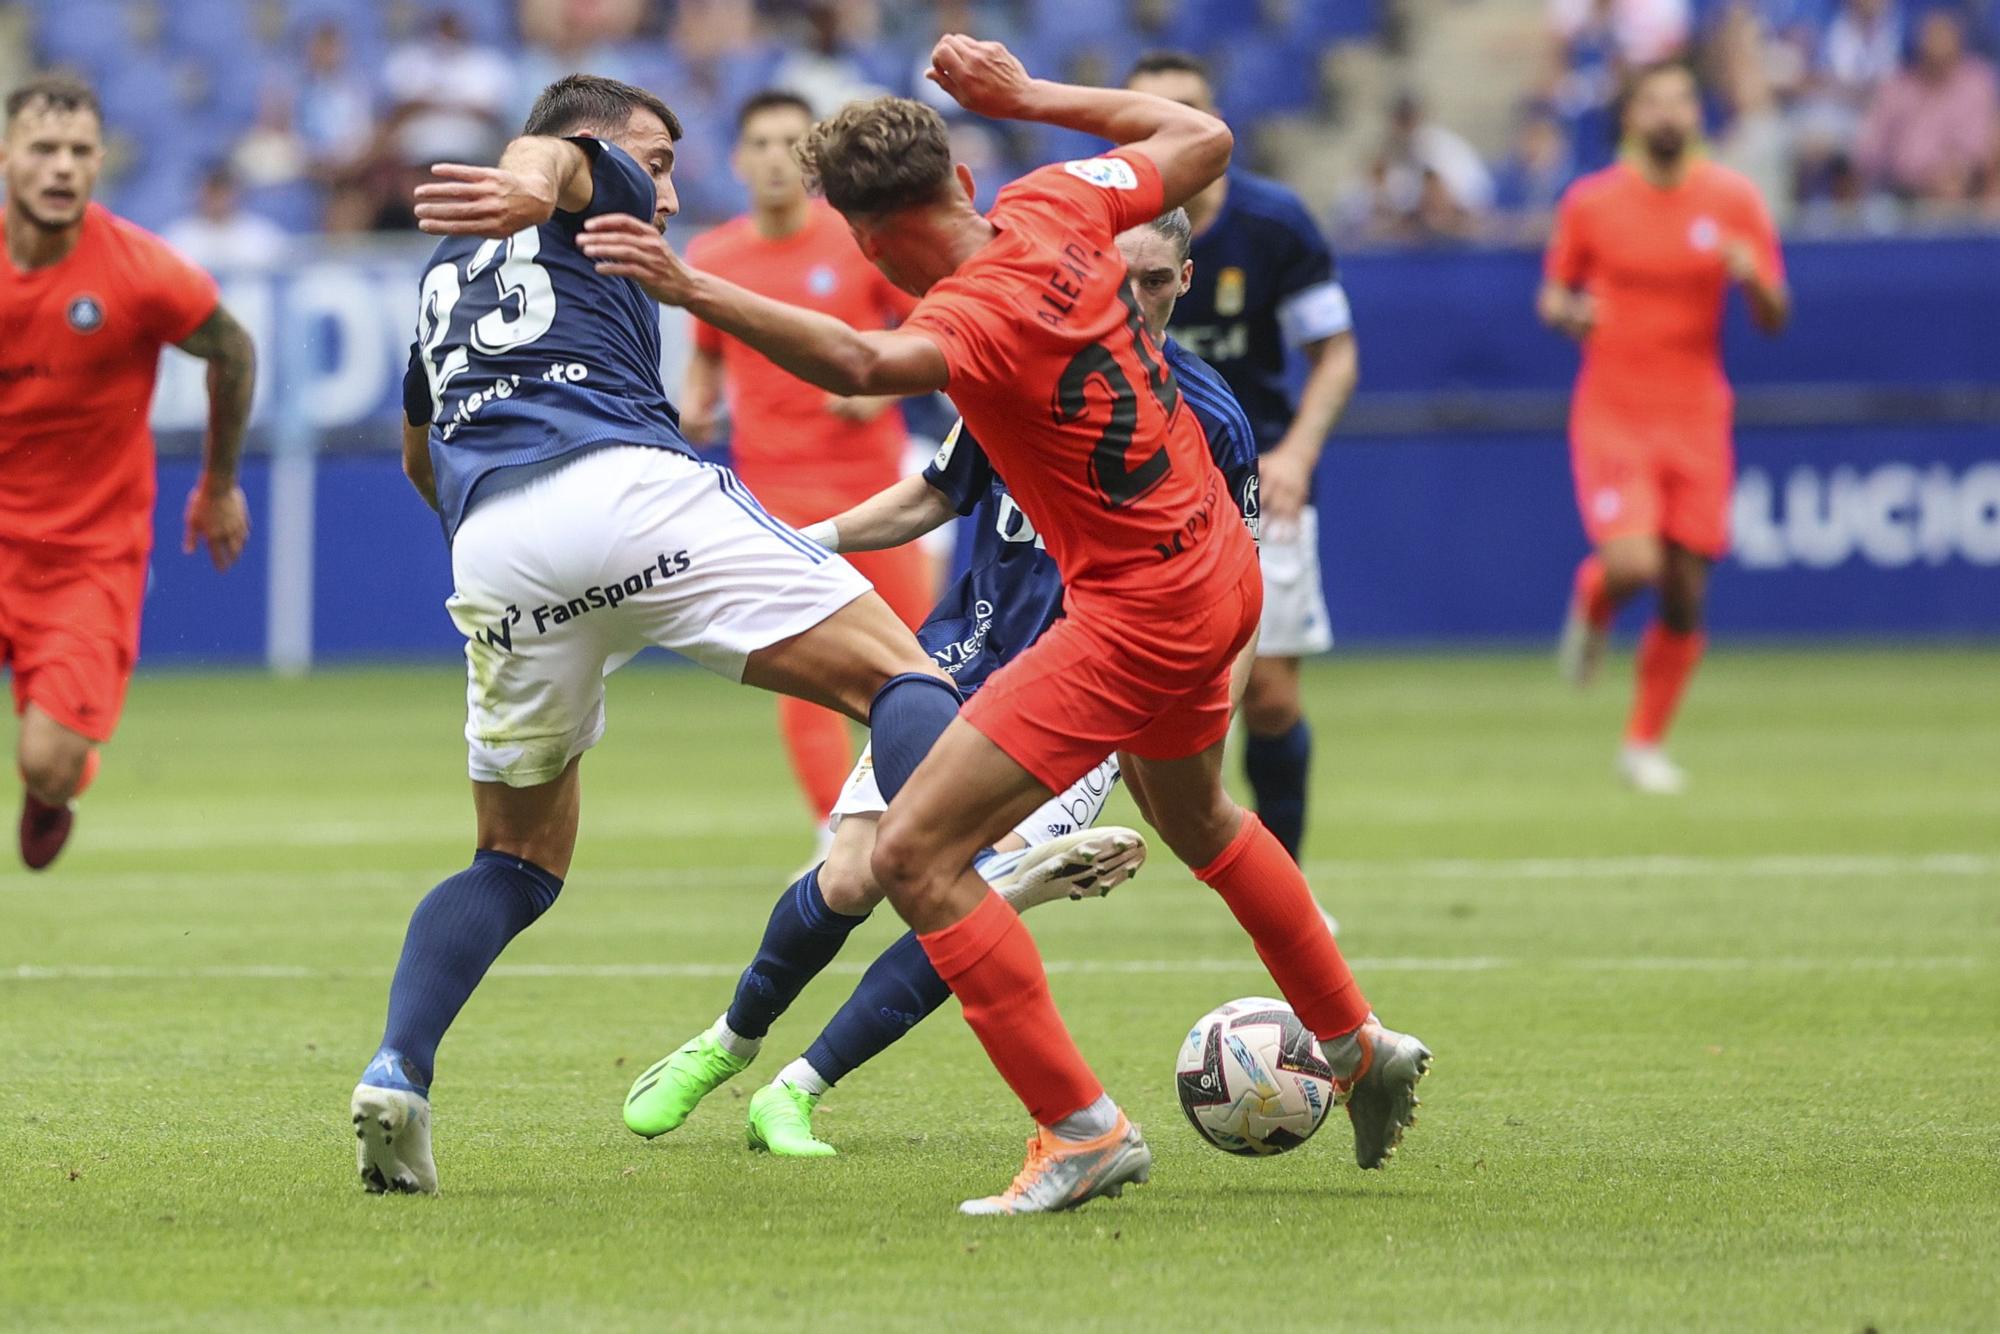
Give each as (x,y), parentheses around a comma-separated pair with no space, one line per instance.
(1253,1079)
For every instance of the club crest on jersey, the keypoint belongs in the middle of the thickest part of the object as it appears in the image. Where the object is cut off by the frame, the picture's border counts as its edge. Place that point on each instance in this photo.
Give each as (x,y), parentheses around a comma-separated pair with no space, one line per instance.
(1703,233)
(1108,173)
(1229,286)
(822,280)
(85,313)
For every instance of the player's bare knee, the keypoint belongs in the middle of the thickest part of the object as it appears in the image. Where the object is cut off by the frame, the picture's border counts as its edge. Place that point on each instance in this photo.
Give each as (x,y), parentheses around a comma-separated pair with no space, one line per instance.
(847,880)
(1629,569)
(52,771)
(1270,713)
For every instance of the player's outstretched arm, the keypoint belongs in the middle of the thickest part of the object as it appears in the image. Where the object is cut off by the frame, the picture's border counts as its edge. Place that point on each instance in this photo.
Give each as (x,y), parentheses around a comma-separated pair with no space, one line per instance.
(896,514)
(817,348)
(217,513)
(537,175)
(1191,148)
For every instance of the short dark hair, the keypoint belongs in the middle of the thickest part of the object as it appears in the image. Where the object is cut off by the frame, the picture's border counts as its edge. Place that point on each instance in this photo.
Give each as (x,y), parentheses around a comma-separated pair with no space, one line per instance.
(1171,62)
(1177,227)
(770,99)
(58,90)
(579,102)
(875,157)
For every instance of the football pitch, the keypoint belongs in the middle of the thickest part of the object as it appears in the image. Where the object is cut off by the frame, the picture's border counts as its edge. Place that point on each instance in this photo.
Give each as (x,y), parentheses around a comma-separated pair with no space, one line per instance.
(1729,1061)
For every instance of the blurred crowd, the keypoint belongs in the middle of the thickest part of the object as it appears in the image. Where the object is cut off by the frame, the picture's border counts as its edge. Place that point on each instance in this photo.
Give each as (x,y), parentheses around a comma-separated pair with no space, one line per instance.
(1853,116)
(238,122)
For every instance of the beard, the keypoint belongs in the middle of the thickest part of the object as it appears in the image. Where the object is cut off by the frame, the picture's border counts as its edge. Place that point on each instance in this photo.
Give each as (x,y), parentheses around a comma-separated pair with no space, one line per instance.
(1665,144)
(42,222)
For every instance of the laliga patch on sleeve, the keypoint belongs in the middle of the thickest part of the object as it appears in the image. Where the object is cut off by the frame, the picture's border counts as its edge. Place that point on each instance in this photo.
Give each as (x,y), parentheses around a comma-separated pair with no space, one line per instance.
(950,446)
(1107,173)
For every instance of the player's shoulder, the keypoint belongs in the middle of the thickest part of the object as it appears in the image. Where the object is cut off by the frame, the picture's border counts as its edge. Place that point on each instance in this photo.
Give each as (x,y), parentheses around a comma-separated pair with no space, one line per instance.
(1595,186)
(1211,397)
(723,240)
(1725,182)
(123,237)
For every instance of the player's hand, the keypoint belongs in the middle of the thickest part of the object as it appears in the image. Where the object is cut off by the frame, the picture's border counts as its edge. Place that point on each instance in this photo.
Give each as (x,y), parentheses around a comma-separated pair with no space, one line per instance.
(983,77)
(623,247)
(219,516)
(1577,316)
(1284,481)
(483,201)
(860,408)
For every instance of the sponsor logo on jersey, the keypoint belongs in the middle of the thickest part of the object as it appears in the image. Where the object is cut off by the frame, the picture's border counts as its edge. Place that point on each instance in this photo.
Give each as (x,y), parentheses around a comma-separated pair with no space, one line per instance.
(1704,234)
(1607,504)
(1108,173)
(821,280)
(85,313)
(1229,291)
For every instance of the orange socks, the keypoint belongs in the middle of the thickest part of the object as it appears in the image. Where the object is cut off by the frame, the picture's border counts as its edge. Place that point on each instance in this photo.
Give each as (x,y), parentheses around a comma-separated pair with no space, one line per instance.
(1666,660)
(1266,890)
(1589,593)
(991,963)
(816,741)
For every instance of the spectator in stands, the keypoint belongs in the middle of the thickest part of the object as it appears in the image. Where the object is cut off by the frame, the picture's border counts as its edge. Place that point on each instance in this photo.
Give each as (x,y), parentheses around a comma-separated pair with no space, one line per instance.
(1639,31)
(571,36)
(826,68)
(1540,167)
(1863,47)
(1755,138)
(1436,185)
(221,234)
(449,97)
(334,110)
(1929,132)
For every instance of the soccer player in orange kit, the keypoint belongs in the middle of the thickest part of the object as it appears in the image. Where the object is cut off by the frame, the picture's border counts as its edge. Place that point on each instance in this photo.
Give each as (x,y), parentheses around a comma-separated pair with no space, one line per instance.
(1638,271)
(805,453)
(86,301)
(1027,320)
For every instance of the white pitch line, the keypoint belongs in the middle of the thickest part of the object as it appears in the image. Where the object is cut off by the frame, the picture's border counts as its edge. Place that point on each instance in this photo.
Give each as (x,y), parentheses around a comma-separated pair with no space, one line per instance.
(672,877)
(1076,967)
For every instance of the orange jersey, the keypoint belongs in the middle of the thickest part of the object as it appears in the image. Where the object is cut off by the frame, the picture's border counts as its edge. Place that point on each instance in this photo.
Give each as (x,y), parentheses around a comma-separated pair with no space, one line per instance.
(783,433)
(77,363)
(1652,261)
(1072,400)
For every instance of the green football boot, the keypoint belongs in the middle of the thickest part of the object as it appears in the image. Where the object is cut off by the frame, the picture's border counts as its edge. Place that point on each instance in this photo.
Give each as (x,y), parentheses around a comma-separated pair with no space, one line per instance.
(781,1123)
(662,1097)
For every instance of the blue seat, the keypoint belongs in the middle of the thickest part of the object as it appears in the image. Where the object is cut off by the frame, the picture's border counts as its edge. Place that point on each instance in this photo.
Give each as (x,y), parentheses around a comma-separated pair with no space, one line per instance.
(1265,73)
(297,206)
(89,35)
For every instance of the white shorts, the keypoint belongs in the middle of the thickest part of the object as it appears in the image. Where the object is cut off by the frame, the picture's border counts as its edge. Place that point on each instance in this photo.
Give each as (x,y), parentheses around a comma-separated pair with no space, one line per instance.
(1295,617)
(1068,811)
(562,580)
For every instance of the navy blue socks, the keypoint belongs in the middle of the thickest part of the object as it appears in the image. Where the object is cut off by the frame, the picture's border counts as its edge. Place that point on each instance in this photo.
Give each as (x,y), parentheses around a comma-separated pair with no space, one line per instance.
(801,938)
(1277,767)
(908,715)
(455,935)
(899,989)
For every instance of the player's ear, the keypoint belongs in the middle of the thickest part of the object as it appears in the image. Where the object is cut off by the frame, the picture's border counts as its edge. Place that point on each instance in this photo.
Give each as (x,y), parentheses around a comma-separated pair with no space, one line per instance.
(1187,276)
(965,182)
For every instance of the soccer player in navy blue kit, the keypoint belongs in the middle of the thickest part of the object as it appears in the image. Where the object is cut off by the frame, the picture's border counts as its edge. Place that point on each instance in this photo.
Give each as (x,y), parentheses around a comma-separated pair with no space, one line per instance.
(1009,595)
(583,529)
(1265,288)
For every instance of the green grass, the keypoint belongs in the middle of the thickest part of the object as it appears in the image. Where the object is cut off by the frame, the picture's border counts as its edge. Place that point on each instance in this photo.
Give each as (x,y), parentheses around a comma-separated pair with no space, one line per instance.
(1728,1062)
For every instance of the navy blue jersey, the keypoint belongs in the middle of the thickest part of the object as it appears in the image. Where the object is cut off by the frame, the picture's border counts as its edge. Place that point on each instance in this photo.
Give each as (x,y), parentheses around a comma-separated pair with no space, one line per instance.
(1011,591)
(526,355)
(1264,283)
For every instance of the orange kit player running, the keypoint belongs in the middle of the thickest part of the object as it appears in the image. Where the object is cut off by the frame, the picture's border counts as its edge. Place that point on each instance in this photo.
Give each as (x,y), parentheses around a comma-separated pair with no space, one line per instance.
(799,448)
(87,300)
(1638,271)
(1028,322)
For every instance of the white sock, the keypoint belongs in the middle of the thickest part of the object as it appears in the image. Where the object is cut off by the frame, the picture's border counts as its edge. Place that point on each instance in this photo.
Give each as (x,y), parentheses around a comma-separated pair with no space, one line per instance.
(1100,1118)
(742,1048)
(801,1076)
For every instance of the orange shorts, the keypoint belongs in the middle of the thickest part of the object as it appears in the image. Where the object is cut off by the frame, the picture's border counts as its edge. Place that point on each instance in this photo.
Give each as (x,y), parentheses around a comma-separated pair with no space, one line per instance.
(1666,474)
(69,632)
(1095,683)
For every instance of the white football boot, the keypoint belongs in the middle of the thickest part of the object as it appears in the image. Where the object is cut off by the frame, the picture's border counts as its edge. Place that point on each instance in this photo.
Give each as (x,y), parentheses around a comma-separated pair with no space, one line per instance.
(392,1132)
(1647,769)
(1087,864)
